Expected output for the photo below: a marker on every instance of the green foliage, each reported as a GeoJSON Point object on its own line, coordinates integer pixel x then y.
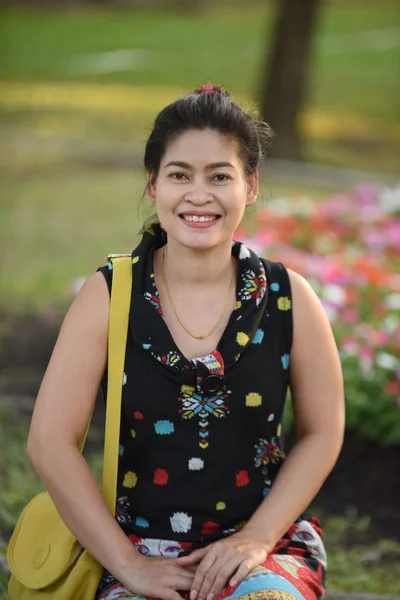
{"type": "Point", "coordinates": [3, 586]}
{"type": "Point", "coordinates": [354, 563]}
{"type": "Point", "coordinates": [18, 480]}
{"type": "Point", "coordinates": [370, 411]}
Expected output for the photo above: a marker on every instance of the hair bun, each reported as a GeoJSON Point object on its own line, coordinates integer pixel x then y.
{"type": "Point", "coordinates": [208, 88]}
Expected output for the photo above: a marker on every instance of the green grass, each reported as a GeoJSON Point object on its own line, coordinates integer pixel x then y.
{"type": "Point", "coordinates": [354, 117]}
{"type": "Point", "coordinates": [355, 81]}
{"type": "Point", "coordinates": [226, 47]}
{"type": "Point", "coordinates": [43, 47]}
{"type": "Point", "coordinates": [59, 227]}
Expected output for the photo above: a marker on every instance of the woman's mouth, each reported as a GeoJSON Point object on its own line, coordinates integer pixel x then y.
{"type": "Point", "coordinates": [199, 221]}
{"type": "Point", "coordinates": [200, 218]}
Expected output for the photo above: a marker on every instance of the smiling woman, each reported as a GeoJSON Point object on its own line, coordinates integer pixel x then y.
{"type": "Point", "coordinates": [219, 154]}
{"type": "Point", "coordinates": [208, 506]}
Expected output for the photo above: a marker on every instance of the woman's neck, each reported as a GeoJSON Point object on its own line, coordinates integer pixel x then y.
{"type": "Point", "coordinates": [190, 267]}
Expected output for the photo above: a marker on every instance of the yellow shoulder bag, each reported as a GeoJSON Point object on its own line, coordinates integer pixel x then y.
{"type": "Point", "coordinates": [45, 558]}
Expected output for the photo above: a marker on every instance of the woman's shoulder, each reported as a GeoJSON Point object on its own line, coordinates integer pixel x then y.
{"type": "Point", "coordinates": [302, 291]}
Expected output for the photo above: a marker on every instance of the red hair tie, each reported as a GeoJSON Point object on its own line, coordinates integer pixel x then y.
{"type": "Point", "coordinates": [208, 88]}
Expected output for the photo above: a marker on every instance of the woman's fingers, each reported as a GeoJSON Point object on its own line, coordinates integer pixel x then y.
{"type": "Point", "coordinates": [219, 575]}
{"type": "Point", "coordinates": [221, 567]}
{"type": "Point", "coordinates": [177, 581]}
{"type": "Point", "coordinates": [194, 558]}
{"type": "Point", "coordinates": [182, 583]}
{"type": "Point", "coordinates": [168, 594]}
{"type": "Point", "coordinates": [246, 566]}
{"type": "Point", "coordinates": [202, 574]}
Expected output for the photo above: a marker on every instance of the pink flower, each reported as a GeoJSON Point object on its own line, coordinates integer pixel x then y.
{"type": "Point", "coordinates": [366, 194]}
{"type": "Point", "coordinates": [350, 315]}
{"type": "Point", "coordinates": [350, 345]}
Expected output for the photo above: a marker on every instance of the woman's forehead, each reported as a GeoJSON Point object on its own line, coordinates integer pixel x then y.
{"type": "Point", "coordinates": [201, 147]}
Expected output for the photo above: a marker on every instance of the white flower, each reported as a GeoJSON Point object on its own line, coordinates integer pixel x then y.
{"type": "Point", "coordinates": [389, 200]}
{"type": "Point", "coordinates": [334, 293]}
{"type": "Point", "coordinates": [387, 361]}
{"type": "Point", "coordinates": [196, 464]}
{"type": "Point", "coordinates": [330, 310]}
{"type": "Point", "coordinates": [393, 301]}
{"type": "Point", "coordinates": [181, 522]}
{"type": "Point", "coordinates": [349, 348]}
{"type": "Point", "coordinates": [124, 379]}
{"type": "Point", "coordinates": [366, 363]}
{"type": "Point", "coordinates": [390, 324]}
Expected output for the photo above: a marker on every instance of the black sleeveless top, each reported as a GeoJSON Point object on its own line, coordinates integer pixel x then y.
{"type": "Point", "coordinates": [201, 440]}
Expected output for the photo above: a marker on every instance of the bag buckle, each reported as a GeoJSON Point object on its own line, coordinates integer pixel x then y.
{"type": "Point", "coordinates": [110, 256]}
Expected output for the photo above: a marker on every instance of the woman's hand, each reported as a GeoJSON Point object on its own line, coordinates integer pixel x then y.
{"type": "Point", "coordinates": [225, 561]}
{"type": "Point", "coordinates": [158, 577]}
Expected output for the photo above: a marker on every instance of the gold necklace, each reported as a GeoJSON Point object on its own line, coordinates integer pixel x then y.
{"type": "Point", "coordinates": [197, 337]}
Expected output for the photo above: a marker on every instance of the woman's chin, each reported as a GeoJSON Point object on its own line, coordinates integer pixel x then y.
{"type": "Point", "coordinates": [198, 237]}
{"type": "Point", "coordinates": [201, 240]}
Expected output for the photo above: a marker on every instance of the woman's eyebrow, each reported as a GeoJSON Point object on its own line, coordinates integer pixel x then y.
{"type": "Point", "coordinates": [184, 165]}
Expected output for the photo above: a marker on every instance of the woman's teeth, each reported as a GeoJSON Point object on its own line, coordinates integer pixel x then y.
{"type": "Point", "coordinates": [200, 219]}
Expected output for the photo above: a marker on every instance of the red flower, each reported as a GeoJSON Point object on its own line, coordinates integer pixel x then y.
{"type": "Point", "coordinates": [138, 415]}
{"type": "Point", "coordinates": [392, 387]}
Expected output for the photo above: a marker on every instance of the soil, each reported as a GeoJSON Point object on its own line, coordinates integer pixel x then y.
{"type": "Point", "coordinates": [365, 480]}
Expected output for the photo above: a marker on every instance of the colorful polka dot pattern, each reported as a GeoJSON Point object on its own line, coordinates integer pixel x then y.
{"type": "Point", "coordinates": [201, 439]}
{"type": "Point", "coordinates": [182, 423]}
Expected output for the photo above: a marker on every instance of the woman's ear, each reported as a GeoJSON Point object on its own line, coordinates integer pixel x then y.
{"type": "Point", "coordinates": [151, 187]}
{"type": "Point", "coordinates": [252, 188]}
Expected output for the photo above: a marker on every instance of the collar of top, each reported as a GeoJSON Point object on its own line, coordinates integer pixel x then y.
{"type": "Point", "coordinates": [149, 329]}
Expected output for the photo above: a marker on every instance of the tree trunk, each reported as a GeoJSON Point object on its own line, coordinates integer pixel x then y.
{"type": "Point", "coordinates": [287, 75]}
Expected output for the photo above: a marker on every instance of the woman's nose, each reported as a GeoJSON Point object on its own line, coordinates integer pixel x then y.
{"type": "Point", "coordinates": [198, 195]}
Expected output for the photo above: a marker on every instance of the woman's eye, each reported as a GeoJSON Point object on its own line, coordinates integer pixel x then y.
{"type": "Point", "coordinates": [178, 176]}
{"type": "Point", "coordinates": [221, 177]}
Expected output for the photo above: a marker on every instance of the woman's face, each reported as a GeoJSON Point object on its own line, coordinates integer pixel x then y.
{"type": "Point", "coordinates": [201, 190]}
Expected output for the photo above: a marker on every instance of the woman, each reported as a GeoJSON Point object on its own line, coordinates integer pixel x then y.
{"type": "Point", "coordinates": [207, 504]}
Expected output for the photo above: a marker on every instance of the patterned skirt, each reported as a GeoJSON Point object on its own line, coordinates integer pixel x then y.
{"type": "Point", "coordinates": [294, 570]}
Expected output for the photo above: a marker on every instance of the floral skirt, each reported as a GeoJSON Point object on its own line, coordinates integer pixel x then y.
{"type": "Point", "coordinates": [294, 570]}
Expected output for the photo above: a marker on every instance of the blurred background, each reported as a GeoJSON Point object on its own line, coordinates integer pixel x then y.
{"type": "Point", "coordinates": [81, 83]}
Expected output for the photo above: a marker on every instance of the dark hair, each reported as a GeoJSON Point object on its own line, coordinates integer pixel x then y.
{"type": "Point", "coordinates": [209, 107]}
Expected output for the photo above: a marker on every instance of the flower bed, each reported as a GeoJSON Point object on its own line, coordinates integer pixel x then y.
{"type": "Point", "coordinates": [348, 248]}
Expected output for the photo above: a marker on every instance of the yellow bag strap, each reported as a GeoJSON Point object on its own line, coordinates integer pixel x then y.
{"type": "Point", "coordinates": [117, 334]}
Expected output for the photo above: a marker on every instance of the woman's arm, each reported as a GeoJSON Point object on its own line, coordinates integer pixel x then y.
{"type": "Point", "coordinates": [316, 385]}
{"type": "Point", "coordinates": [62, 410]}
